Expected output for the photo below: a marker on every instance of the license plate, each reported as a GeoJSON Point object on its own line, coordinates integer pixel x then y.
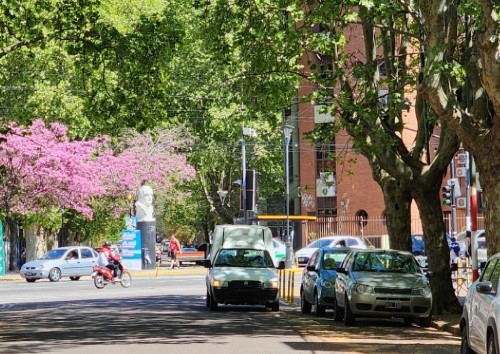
{"type": "Point", "coordinates": [29, 274]}
{"type": "Point", "coordinates": [301, 259]}
{"type": "Point", "coordinates": [395, 304]}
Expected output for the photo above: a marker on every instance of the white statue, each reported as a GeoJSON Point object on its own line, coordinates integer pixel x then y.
{"type": "Point", "coordinates": [144, 205]}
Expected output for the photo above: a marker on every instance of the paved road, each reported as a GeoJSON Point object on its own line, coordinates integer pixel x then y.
{"type": "Point", "coordinates": [168, 315]}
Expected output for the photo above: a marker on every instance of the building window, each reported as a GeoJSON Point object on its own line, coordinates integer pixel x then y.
{"type": "Point", "coordinates": [362, 215]}
{"type": "Point", "coordinates": [327, 206]}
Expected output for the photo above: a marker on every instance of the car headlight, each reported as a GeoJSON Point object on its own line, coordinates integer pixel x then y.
{"type": "Point", "coordinates": [363, 289]}
{"type": "Point", "coordinates": [327, 284]}
{"type": "Point", "coordinates": [41, 266]}
{"type": "Point", "coordinates": [273, 284]}
{"type": "Point", "coordinates": [220, 284]}
{"type": "Point", "coordinates": [422, 291]}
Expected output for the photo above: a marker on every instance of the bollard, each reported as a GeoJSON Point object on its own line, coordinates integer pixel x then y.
{"type": "Point", "coordinates": [459, 275]}
{"type": "Point", "coordinates": [292, 294]}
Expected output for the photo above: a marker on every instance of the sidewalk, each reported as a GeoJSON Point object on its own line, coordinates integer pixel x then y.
{"type": "Point", "coordinates": [447, 322]}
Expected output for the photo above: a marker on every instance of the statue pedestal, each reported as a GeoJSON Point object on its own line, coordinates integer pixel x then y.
{"type": "Point", "coordinates": [148, 241]}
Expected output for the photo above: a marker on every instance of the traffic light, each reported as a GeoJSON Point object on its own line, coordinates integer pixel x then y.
{"type": "Point", "coordinates": [447, 193]}
{"type": "Point", "coordinates": [251, 186]}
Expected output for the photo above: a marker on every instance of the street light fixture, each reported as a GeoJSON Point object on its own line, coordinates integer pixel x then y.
{"type": "Point", "coordinates": [222, 195]}
{"type": "Point", "coordinates": [287, 133]}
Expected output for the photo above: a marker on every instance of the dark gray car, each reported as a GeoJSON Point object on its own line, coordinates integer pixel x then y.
{"type": "Point", "coordinates": [382, 283]}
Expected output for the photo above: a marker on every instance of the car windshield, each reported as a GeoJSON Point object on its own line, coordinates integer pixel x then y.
{"type": "Point", "coordinates": [54, 254]}
{"type": "Point", "coordinates": [319, 243]}
{"type": "Point", "coordinates": [244, 258]}
{"type": "Point", "coordinates": [385, 262]}
{"type": "Point", "coordinates": [332, 260]}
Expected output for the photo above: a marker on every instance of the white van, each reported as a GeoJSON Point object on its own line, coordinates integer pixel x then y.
{"type": "Point", "coordinates": [241, 270]}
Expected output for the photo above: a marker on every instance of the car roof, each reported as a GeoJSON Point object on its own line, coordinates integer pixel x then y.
{"type": "Point", "coordinates": [380, 250]}
{"type": "Point", "coordinates": [69, 247]}
{"type": "Point", "coordinates": [335, 249]}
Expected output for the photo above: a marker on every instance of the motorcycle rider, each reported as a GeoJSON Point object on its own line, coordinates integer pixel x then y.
{"type": "Point", "coordinates": [111, 260]}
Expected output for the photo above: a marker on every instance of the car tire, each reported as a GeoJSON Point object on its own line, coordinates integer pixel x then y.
{"type": "Point", "coordinates": [32, 280]}
{"type": "Point", "coordinates": [55, 274]}
{"type": "Point", "coordinates": [425, 322]}
{"type": "Point", "coordinates": [74, 278]}
{"type": "Point", "coordinates": [319, 310]}
{"type": "Point", "coordinates": [491, 345]}
{"type": "Point", "coordinates": [338, 312]}
{"type": "Point", "coordinates": [408, 321]}
{"type": "Point", "coordinates": [275, 306]}
{"type": "Point", "coordinates": [214, 306]}
{"type": "Point", "coordinates": [464, 342]}
{"type": "Point", "coordinates": [305, 306]}
{"type": "Point", "coordinates": [207, 300]}
{"type": "Point", "coordinates": [349, 319]}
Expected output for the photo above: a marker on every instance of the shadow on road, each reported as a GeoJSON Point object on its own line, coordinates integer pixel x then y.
{"type": "Point", "coordinates": [181, 320]}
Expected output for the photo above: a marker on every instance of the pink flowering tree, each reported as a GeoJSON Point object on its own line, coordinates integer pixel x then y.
{"type": "Point", "coordinates": [42, 170]}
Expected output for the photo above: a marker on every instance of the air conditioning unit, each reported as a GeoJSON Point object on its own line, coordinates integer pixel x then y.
{"type": "Point", "coordinates": [461, 203]}
{"type": "Point", "coordinates": [460, 171]}
{"type": "Point", "coordinates": [326, 185]}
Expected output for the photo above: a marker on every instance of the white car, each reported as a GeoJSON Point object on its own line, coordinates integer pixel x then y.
{"type": "Point", "coordinates": [480, 320]}
{"type": "Point", "coordinates": [305, 253]}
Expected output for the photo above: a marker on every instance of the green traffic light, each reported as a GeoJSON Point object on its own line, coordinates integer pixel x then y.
{"type": "Point", "coordinates": [447, 202]}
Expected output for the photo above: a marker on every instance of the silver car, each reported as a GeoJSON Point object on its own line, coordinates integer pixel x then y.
{"type": "Point", "coordinates": [480, 321]}
{"type": "Point", "coordinates": [382, 283]}
{"type": "Point", "coordinates": [73, 262]}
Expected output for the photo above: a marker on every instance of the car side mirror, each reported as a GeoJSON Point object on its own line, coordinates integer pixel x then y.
{"type": "Point", "coordinates": [281, 265]}
{"type": "Point", "coordinates": [341, 270]}
{"type": "Point", "coordinates": [484, 287]}
{"type": "Point", "coordinates": [207, 263]}
{"type": "Point", "coordinates": [311, 268]}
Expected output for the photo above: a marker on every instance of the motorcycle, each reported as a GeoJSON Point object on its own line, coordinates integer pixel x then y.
{"type": "Point", "coordinates": [103, 276]}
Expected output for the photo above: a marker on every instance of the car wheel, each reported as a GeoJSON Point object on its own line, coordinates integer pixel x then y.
{"type": "Point", "coordinates": [275, 306]}
{"type": "Point", "coordinates": [74, 278]}
{"type": "Point", "coordinates": [338, 312]}
{"type": "Point", "coordinates": [305, 306]}
{"type": "Point", "coordinates": [349, 318]}
{"type": "Point", "coordinates": [491, 346]}
{"type": "Point", "coordinates": [408, 321]}
{"type": "Point", "coordinates": [319, 310]}
{"type": "Point", "coordinates": [214, 306]}
{"type": "Point", "coordinates": [426, 321]}
{"type": "Point", "coordinates": [31, 280]}
{"type": "Point", "coordinates": [464, 343]}
{"type": "Point", "coordinates": [55, 274]}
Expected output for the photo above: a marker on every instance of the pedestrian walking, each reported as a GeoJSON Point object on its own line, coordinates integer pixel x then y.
{"type": "Point", "coordinates": [175, 247]}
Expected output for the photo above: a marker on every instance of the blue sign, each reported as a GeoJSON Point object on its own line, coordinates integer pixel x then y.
{"type": "Point", "coordinates": [131, 249]}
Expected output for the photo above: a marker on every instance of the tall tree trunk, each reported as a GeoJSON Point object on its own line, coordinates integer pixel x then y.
{"type": "Point", "coordinates": [437, 250]}
{"type": "Point", "coordinates": [489, 179]}
{"type": "Point", "coordinates": [397, 201]}
{"type": "Point", "coordinates": [36, 242]}
{"type": "Point", "coordinates": [12, 227]}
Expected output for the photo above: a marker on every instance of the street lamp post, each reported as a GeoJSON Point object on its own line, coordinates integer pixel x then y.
{"type": "Point", "coordinates": [250, 132]}
{"type": "Point", "coordinates": [287, 132]}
